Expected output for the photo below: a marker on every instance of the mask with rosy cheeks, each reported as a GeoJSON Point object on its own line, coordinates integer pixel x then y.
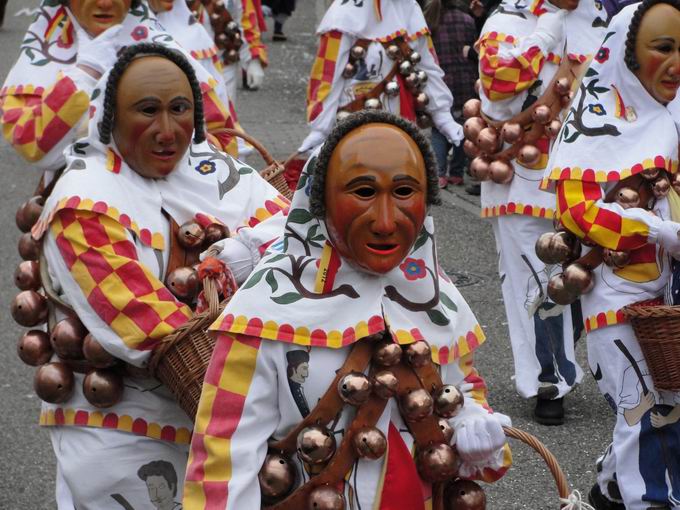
{"type": "Point", "coordinates": [657, 51]}
{"type": "Point", "coordinates": [375, 193]}
{"type": "Point", "coordinates": [161, 5]}
{"type": "Point", "coordinates": [154, 117]}
{"type": "Point", "coordinates": [95, 16]}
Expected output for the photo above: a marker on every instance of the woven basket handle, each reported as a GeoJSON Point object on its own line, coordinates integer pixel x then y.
{"type": "Point", "coordinates": [268, 159]}
{"type": "Point", "coordinates": [548, 457]}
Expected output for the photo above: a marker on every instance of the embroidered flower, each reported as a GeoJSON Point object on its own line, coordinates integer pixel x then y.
{"type": "Point", "coordinates": [602, 55]}
{"type": "Point", "coordinates": [597, 109]}
{"type": "Point", "coordinates": [413, 269]}
{"type": "Point", "coordinates": [140, 32]}
{"type": "Point", "coordinates": [206, 167]}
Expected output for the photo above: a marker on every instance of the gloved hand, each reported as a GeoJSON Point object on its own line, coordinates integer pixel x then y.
{"type": "Point", "coordinates": [453, 131]}
{"type": "Point", "coordinates": [549, 30]}
{"type": "Point", "coordinates": [100, 53]}
{"type": "Point", "coordinates": [668, 237]}
{"type": "Point", "coordinates": [477, 436]}
{"type": "Point", "coordinates": [254, 74]}
{"type": "Point", "coordinates": [233, 253]}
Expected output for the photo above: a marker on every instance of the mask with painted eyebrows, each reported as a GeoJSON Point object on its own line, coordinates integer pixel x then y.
{"type": "Point", "coordinates": [376, 190]}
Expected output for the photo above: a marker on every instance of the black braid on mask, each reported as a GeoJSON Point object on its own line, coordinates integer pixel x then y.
{"type": "Point", "coordinates": [134, 5]}
{"type": "Point", "coordinates": [317, 205]}
{"type": "Point", "coordinates": [124, 60]}
{"type": "Point", "coordinates": [629, 57]}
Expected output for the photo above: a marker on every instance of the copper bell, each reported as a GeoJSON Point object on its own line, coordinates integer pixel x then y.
{"type": "Point", "coordinates": [479, 168]}
{"type": "Point", "coordinates": [511, 132]}
{"type": "Point", "coordinates": [422, 100]}
{"type": "Point", "coordinates": [411, 81]}
{"type": "Point", "coordinates": [349, 70]}
{"type": "Point", "coordinates": [488, 139]}
{"type": "Point", "coordinates": [555, 248]}
{"type": "Point", "coordinates": [67, 338]}
{"type": "Point", "coordinates": [29, 308]}
{"type": "Point", "coordinates": [559, 293]}
{"type": "Point", "coordinates": [472, 108]}
{"type": "Point", "coordinates": [183, 283]}
{"type": "Point", "coordinates": [29, 213]}
{"type": "Point", "coordinates": [387, 353]}
{"type": "Point", "coordinates": [446, 429]}
{"type": "Point", "coordinates": [448, 401]}
{"type": "Point", "coordinates": [232, 26]}
{"type": "Point", "coordinates": [354, 388]}
{"type": "Point", "coordinates": [325, 498]}
{"type": "Point", "coordinates": [422, 77]}
{"type": "Point", "coordinates": [627, 198]}
{"type": "Point", "coordinates": [232, 56]}
{"type": "Point", "coordinates": [372, 103]}
{"type": "Point", "coordinates": [541, 114]}
{"type": "Point", "coordinates": [393, 51]}
{"type": "Point", "coordinates": [471, 150]}
{"type": "Point", "coordinates": [553, 128]}
{"type": "Point", "coordinates": [415, 57]}
{"type": "Point", "coordinates": [369, 443]}
{"type": "Point", "coordinates": [34, 348]}
{"type": "Point", "coordinates": [191, 235]}
{"type": "Point", "coordinates": [562, 86]}
{"type": "Point", "coordinates": [53, 382]}
{"type": "Point", "coordinates": [316, 445]}
{"type": "Point", "coordinates": [578, 278]}
{"type": "Point", "coordinates": [615, 258]}
{"type": "Point", "coordinates": [392, 88]}
{"type": "Point", "coordinates": [436, 463]}
{"type": "Point", "coordinates": [385, 384]}
{"type": "Point", "coordinates": [501, 171]}
{"type": "Point", "coordinates": [416, 405]}
{"type": "Point", "coordinates": [103, 388]}
{"type": "Point", "coordinates": [29, 248]}
{"type": "Point", "coordinates": [96, 354]}
{"type": "Point", "coordinates": [464, 495]}
{"type": "Point", "coordinates": [27, 275]}
{"type": "Point", "coordinates": [529, 155]}
{"type": "Point", "coordinates": [418, 354]}
{"type": "Point", "coordinates": [661, 187]}
{"type": "Point", "coordinates": [472, 127]}
{"type": "Point", "coordinates": [650, 173]}
{"type": "Point", "coordinates": [358, 52]}
{"type": "Point", "coordinates": [215, 232]}
{"type": "Point", "coordinates": [277, 478]}
{"type": "Point", "coordinates": [405, 68]}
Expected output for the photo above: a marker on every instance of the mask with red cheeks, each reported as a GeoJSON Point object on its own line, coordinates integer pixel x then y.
{"type": "Point", "coordinates": [154, 117]}
{"type": "Point", "coordinates": [657, 51]}
{"type": "Point", "coordinates": [95, 16]}
{"type": "Point", "coordinates": [375, 194]}
{"type": "Point", "coordinates": [161, 5]}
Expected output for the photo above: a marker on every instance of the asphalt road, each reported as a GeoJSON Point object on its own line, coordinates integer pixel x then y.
{"type": "Point", "coordinates": [275, 115]}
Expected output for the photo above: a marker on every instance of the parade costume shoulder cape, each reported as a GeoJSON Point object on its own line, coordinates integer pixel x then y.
{"type": "Point", "coordinates": [45, 96]}
{"type": "Point", "coordinates": [303, 292]}
{"type": "Point", "coordinates": [108, 249]}
{"type": "Point", "coordinates": [181, 23]}
{"type": "Point", "coordinates": [614, 130]}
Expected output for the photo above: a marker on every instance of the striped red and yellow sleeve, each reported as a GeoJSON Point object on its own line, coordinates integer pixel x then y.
{"type": "Point", "coordinates": [251, 31]}
{"type": "Point", "coordinates": [35, 119]}
{"type": "Point", "coordinates": [581, 214]}
{"type": "Point", "coordinates": [122, 291]}
{"type": "Point", "coordinates": [503, 77]}
{"type": "Point", "coordinates": [218, 115]}
{"type": "Point", "coordinates": [323, 72]}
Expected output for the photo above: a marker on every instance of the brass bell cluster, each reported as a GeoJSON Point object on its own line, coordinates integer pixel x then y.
{"type": "Point", "coordinates": [183, 281]}
{"type": "Point", "coordinates": [493, 145]}
{"type": "Point", "coordinates": [227, 32]}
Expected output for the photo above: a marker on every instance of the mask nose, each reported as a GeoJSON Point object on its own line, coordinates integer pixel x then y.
{"type": "Point", "coordinates": [384, 223]}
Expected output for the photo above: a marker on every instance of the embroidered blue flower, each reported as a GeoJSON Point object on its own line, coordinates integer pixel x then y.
{"type": "Point", "coordinates": [206, 167]}
{"type": "Point", "coordinates": [597, 109]}
{"type": "Point", "coordinates": [413, 269]}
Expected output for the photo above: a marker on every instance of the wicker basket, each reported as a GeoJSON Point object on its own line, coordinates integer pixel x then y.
{"type": "Point", "coordinates": [657, 328]}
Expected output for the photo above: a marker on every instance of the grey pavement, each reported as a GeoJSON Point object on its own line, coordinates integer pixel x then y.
{"type": "Point", "coordinates": [275, 115]}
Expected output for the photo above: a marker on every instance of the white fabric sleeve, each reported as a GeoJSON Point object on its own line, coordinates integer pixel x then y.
{"type": "Point", "coordinates": [440, 96]}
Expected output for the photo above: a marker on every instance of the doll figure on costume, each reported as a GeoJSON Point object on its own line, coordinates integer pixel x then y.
{"type": "Point", "coordinates": [70, 44]}
{"type": "Point", "coordinates": [314, 381]}
{"type": "Point", "coordinates": [376, 55]}
{"type": "Point", "coordinates": [522, 47]}
{"type": "Point", "coordinates": [612, 167]}
{"type": "Point", "coordinates": [107, 227]}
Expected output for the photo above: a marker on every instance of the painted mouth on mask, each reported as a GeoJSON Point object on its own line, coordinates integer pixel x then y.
{"type": "Point", "coordinates": [105, 18]}
{"type": "Point", "coordinates": [164, 153]}
{"type": "Point", "coordinates": [382, 248]}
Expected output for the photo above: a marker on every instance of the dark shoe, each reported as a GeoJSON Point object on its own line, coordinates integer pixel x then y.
{"type": "Point", "coordinates": [549, 412]}
{"type": "Point", "coordinates": [474, 189]}
{"type": "Point", "coordinates": [279, 37]}
{"type": "Point", "coordinates": [600, 502]}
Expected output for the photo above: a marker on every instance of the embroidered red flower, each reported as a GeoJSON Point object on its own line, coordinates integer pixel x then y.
{"type": "Point", "coordinates": [140, 32]}
{"type": "Point", "coordinates": [413, 269]}
{"type": "Point", "coordinates": [602, 55]}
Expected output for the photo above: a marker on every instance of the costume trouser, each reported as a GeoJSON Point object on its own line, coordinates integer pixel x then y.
{"type": "Point", "coordinates": [231, 73]}
{"type": "Point", "coordinates": [642, 465]}
{"type": "Point", "coordinates": [441, 147]}
{"type": "Point", "coordinates": [542, 333]}
{"type": "Point", "coordinates": [102, 469]}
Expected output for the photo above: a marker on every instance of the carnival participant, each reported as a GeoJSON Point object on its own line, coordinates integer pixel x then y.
{"type": "Point", "coordinates": [241, 45]}
{"type": "Point", "coordinates": [45, 98]}
{"type": "Point", "coordinates": [521, 49]}
{"type": "Point", "coordinates": [358, 240]}
{"type": "Point", "coordinates": [144, 166]}
{"type": "Point", "coordinates": [374, 55]}
{"type": "Point", "coordinates": [610, 168]}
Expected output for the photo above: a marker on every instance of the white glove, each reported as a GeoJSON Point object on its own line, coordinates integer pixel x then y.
{"type": "Point", "coordinates": [101, 52]}
{"type": "Point", "coordinates": [254, 74]}
{"type": "Point", "coordinates": [234, 254]}
{"type": "Point", "coordinates": [549, 30]}
{"type": "Point", "coordinates": [453, 131]}
{"type": "Point", "coordinates": [478, 436]}
{"type": "Point", "coordinates": [668, 237]}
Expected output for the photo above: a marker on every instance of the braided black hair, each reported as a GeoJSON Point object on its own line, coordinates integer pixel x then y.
{"type": "Point", "coordinates": [629, 57]}
{"type": "Point", "coordinates": [317, 205]}
{"type": "Point", "coordinates": [134, 5]}
{"type": "Point", "coordinates": [149, 49]}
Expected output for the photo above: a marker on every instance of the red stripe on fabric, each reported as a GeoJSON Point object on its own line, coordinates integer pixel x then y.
{"type": "Point", "coordinates": [334, 264]}
{"type": "Point", "coordinates": [135, 279]}
{"type": "Point", "coordinates": [196, 469]}
{"type": "Point", "coordinates": [216, 495]}
{"type": "Point", "coordinates": [143, 315]}
{"type": "Point", "coordinates": [407, 108]}
{"type": "Point", "coordinates": [219, 357]}
{"type": "Point", "coordinates": [66, 250]}
{"type": "Point", "coordinates": [226, 412]}
{"type": "Point", "coordinates": [102, 306]}
{"type": "Point", "coordinates": [401, 487]}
